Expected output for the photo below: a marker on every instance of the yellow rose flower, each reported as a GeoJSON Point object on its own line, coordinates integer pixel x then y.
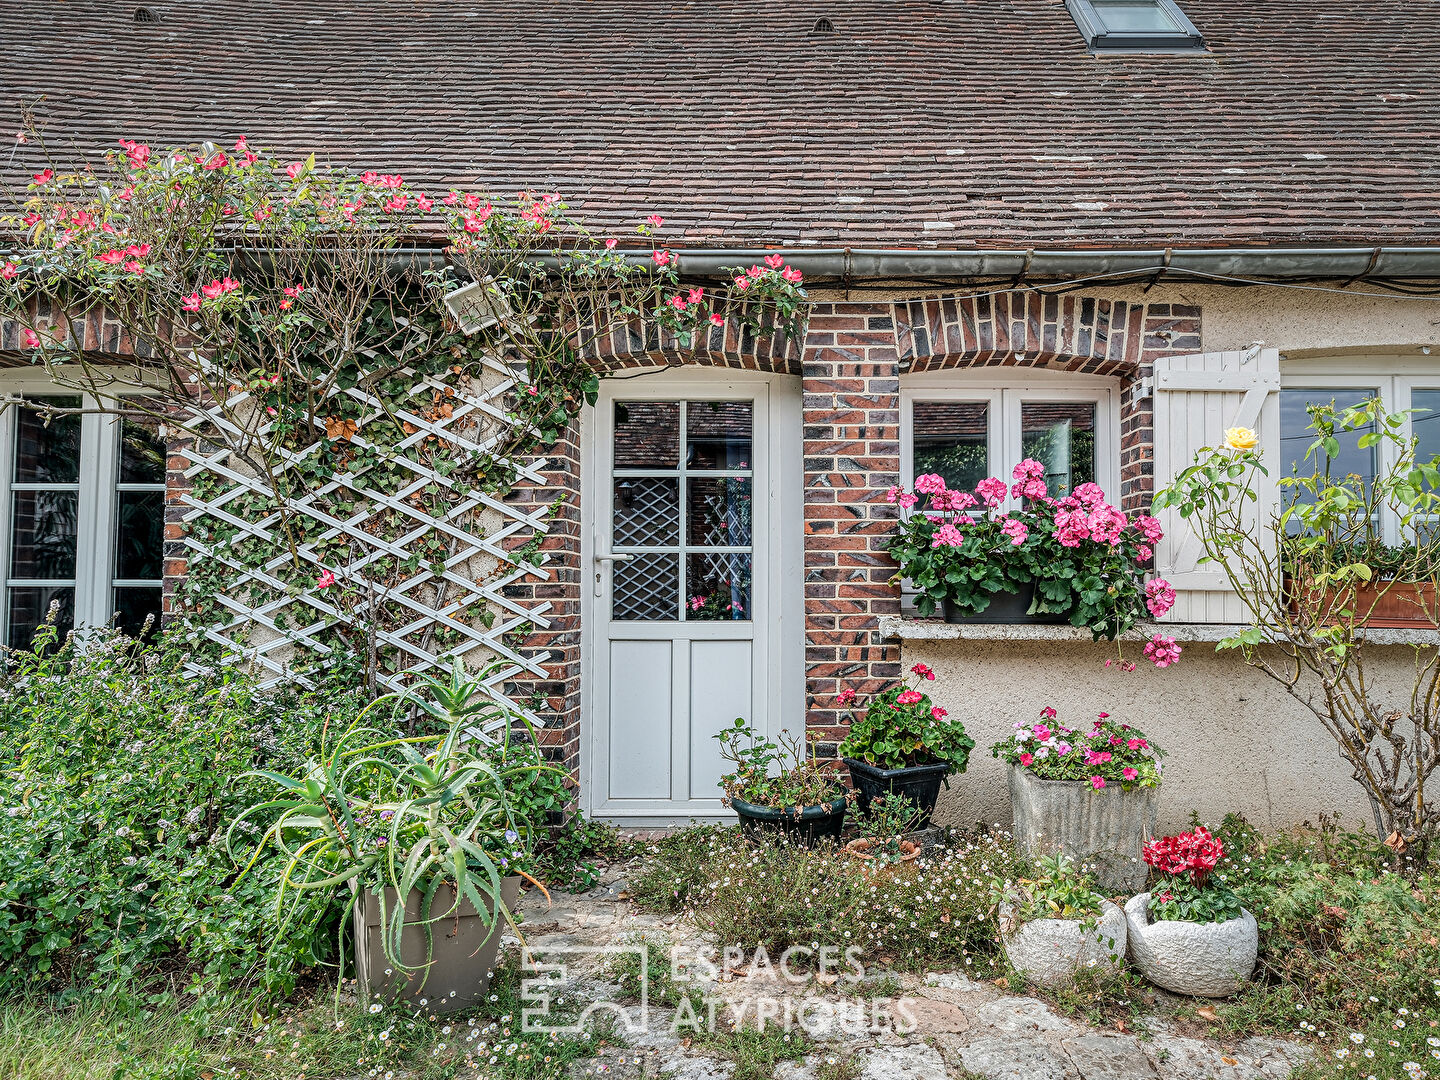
{"type": "Point", "coordinates": [1241, 438]}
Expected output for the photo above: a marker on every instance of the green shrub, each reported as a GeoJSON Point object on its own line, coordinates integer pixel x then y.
{"type": "Point", "coordinates": [116, 776]}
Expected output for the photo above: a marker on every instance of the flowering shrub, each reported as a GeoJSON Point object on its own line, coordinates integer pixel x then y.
{"type": "Point", "coordinates": [1083, 556]}
{"type": "Point", "coordinates": [902, 727]}
{"type": "Point", "coordinates": [804, 783]}
{"type": "Point", "coordinates": [1109, 753]}
{"type": "Point", "coordinates": [1187, 893]}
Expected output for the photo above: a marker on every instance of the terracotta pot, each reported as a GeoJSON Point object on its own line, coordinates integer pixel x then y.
{"type": "Point", "coordinates": [1381, 604]}
{"type": "Point", "coordinates": [861, 848]}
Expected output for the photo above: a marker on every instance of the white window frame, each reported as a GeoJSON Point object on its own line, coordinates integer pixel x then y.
{"type": "Point", "coordinates": [99, 483]}
{"type": "Point", "coordinates": [1394, 378]}
{"type": "Point", "coordinates": [1005, 395]}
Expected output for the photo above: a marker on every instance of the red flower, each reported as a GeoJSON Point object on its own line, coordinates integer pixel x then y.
{"type": "Point", "coordinates": [924, 672]}
{"type": "Point", "coordinates": [44, 176]}
{"type": "Point", "coordinates": [1195, 853]}
{"type": "Point", "coordinates": [845, 697]}
{"type": "Point", "coordinates": [909, 697]}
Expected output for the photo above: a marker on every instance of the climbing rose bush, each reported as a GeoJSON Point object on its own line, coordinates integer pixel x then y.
{"type": "Point", "coordinates": [1084, 557]}
{"type": "Point", "coordinates": [1109, 753]}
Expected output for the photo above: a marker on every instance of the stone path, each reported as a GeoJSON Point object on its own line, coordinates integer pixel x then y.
{"type": "Point", "coordinates": [942, 1025]}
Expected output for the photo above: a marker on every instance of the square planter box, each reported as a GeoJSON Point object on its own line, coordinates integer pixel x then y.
{"type": "Point", "coordinates": [1106, 828]}
{"type": "Point", "coordinates": [462, 954]}
{"type": "Point", "coordinates": [1405, 605]}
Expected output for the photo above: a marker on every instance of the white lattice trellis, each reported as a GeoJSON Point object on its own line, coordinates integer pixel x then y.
{"type": "Point", "coordinates": [476, 526]}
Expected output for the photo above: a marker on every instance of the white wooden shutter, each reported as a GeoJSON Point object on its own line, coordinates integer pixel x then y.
{"type": "Point", "coordinates": [1196, 398]}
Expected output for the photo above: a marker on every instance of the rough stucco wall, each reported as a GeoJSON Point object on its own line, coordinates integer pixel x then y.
{"type": "Point", "coordinates": [1236, 741]}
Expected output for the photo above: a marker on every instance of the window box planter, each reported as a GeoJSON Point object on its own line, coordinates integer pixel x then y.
{"type": "Point", "coordinates": [806, 825]}
{"type": "Point", "coordinates": [1007, 608]}
{"type": "Point", "coordinates": [1052, 951]}
{"type": "Point", "coordinates": [1382, 604]}
{"type": "Point", "coordinates": [463, 950]}
{"type": "Point", "coordinates": [1199, 959]}
{"type": "Point", "coordinates": [1106, 829]}
{"type": "Point", "coordinates": [920, 784]}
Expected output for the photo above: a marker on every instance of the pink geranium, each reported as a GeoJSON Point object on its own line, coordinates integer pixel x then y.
{"type": "Point", "coordinates": [1162, 651]}
{"type": "Point", "coordinates": [929, 484]}
{"type": "Point", "coordinates": [1017, 531]}
{"type": "Point", "coordinates": [991, 491]}
{"type": "Point", "coordinates": [947, 536]}
{"type": "Point", "coordinates": [1159, 596]}
{"type": "Point", "coordinates": [909, 697]}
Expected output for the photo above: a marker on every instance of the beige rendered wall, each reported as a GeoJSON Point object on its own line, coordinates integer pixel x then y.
{"type": "Point", "coordinates": [1236, 741]}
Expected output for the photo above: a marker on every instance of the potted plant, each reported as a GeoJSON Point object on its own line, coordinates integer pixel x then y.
{"type": "Point", "coordinates": [804, 801]}
{"type": "Point", "coordinates": [1365, 581]}
{"type": "Point", "coordinates": [903, 744]}
{"type": "Point", "coordinates": [1055, 925]}
{"type": "Point", "coordinates": [1091, 794]}
{"type": "Point", "coordinates": [420, 831]}
{"type": "Point", "coordinates": [882, 843]}
{"type": "Point", "coordinates": [1075, 560]}
{"type": "Point", "coordinates": [1189, 934]}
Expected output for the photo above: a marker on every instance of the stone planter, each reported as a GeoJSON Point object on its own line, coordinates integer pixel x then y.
{"type": "Point", "coordinates": [1199, 959]}
{"type": "Point", "coordinates": [1105, 829]}
{"type": "Point", "coordinates": [1052, 951]}
{"type": "Point", "coordinates": [463, 950]}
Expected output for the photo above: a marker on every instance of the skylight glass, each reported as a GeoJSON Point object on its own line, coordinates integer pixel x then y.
{"type": "Point", "coordinates": [1135, 26]}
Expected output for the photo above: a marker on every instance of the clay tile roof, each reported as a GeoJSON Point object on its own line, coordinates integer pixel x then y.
{"type": "Point", "coordinates": [916, 123]}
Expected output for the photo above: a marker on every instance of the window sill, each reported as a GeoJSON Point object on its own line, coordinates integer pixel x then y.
{"type": "Point", "coordinates": [906, 628]}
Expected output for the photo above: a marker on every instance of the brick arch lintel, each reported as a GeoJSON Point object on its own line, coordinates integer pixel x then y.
{"type": "Point", "coordinates": [1069, 332]}
{"type": "Point", "coordinates": [646, 343]}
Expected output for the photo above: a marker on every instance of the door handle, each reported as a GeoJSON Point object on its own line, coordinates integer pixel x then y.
{"type": "Point", "coordinates": [607, 557]}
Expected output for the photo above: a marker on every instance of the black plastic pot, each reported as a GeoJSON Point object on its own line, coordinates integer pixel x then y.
{"type": "Point", "coordinates": [1007, 608]}
{"type": "Point", "coordinates": [920, 784]}
{"type": "Point", "coordinates": [805, 825]}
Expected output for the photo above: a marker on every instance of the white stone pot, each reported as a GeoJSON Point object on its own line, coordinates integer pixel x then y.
{"type": "Point", "coordinates": [1199, 959]}
{"type": "Point", "coordinates": [1106, 829]}
{"type": "Point", "coordinates": [1052, 951]}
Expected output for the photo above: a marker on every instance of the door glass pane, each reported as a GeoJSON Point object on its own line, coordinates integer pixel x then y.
{"type": "Point", "coordinates": [133, 604]}
{"type": "Point", "coordinates": [717, 587]}
{"type": "Point", "coordinates": [718, 434]}
{"type": "Point", "coordinates": [1296, 436]}
{"type": "Point", "coordinates": [719, 512]}
{"type": "Point", "coordinates": [142, 454]}
{"type": "Point", "coordinates": [647, 511]}
{"type": "Point", "coordinates": [647, 589]}
{"type": "Point", "coordinates": [1061, 436]}
{"type": "Point", "coordinates": [647, 435]}
{"type": "Point", "coordinates": [952, 438]}
{"type": "Point", "coordinates": [29, 606]}
{"type": "Point", "coordinates": [47, 453]}
{"type": "Point", "coordinates": [1122, 16]}
{"type": "Point", "coordinates": [43, 534]}
{"type": "Point", "coordinates": [139, 535]}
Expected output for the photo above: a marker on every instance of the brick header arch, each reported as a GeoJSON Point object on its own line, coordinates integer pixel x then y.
{"type": "Point", "coordinates": [1085, 334]}
{"type": "Point", "coordinates": [644, 343]}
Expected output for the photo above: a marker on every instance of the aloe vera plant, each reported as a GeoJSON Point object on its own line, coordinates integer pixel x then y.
{"type": "Point", "coordinates": [379, 809]}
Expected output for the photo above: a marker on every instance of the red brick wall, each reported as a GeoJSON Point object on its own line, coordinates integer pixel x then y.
{"type": "Point", "coordinates": [851, 448]}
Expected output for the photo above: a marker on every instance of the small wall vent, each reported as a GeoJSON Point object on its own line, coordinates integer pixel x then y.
{"type": "Point", "coordinates": [146, 15]}
{"type": "Point", "coordinates": [822, 26]}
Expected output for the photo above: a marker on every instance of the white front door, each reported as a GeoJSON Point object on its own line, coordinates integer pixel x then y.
{"type": "Point", "coordinates": [693, 583]}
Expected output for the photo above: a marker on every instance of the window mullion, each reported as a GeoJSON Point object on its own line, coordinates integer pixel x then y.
{"type": "Point", "coordinates": [95, 541]}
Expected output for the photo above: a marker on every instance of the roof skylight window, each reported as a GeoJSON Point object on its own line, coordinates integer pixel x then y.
{"type": "Point", "coordinates": [1135, 26]}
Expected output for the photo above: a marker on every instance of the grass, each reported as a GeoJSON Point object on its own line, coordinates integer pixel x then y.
{"type": "Point", "coordinates": [108, 1039]}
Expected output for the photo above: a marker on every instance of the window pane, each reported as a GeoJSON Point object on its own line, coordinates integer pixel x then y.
{"type": "Point", "coordinates": [951, 438]}
{"type": "Point", "coordinates": [647, 589]}
{"type": "Point", "coordinates": [719, 511]}
{"type": "Point", "coordinates": [1124, 16]}
{"type": "Point", "coordinates": [142, 454]}
{"type": "Point", "coordinates": [140, 535]}
{"type": "Point", "coordinates": [29, 606]}
{"type": "Point", "coordinates": [133, 605]}
{"type": "Point", "coordinates": [1426, 423]}
{"type": "Point", "coordinates": [717, 434]}
{"type": "Point", "coordinates": [647, 511]}
{"type": "Point", "coordinates": [1061, 436]}
{"type": "Point", "coordinates": [1296, 436]}
{"type": "Point", "coordinates": [647, 435]}
{"type": "Point", "coordinates": [718, 587]}
{"type": "Point", "coordinates": [48, 453]}
{"type": "Point", "coordinates": [43, 535]}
